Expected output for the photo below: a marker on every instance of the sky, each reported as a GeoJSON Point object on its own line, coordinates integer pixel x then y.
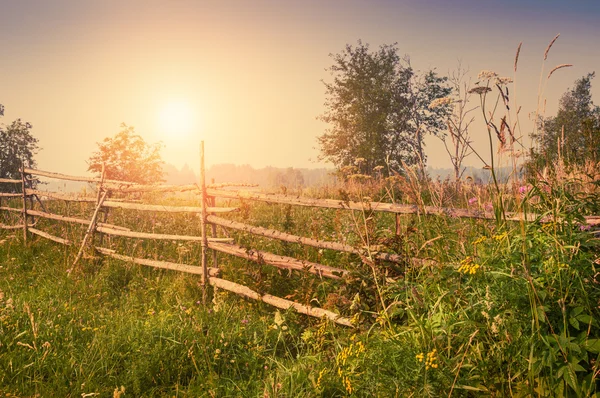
{"type": "Point", "coordinates": [249, 74]}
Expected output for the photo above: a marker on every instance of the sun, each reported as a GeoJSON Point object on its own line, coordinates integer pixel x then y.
{"type": "Point", "coordinates": [177, 119]}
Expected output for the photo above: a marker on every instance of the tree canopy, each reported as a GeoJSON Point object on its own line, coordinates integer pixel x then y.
{"type": "Point", "coordinates": [377, 109]}
{"type": "Point", "coordinates": [17, 146]}
{"type": "Point", "coordinates": [127, 157]}
{"type": "Point", "coordinates": [573, 135]}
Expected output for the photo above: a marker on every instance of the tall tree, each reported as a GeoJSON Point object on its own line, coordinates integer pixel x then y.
{"type": "Point", "coordinates": [573, 135]}
{"type": "Point", "coordinates": [127, 157]}
{"type": "Point", "coordinates": [377, 109]}
{"type": "Point", "coordinates": [17, 146]}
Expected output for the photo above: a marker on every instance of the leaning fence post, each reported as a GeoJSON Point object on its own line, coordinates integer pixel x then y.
{"type": "Point", "coordinates": [204, 242]}
{"type": "Point", "coordinates": [92, 227]}
{"type": "Point", "coordinates": [24, 202]}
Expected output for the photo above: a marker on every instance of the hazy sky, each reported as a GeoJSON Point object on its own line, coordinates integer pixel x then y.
{"type": "Point", "coordinates": [251, 71]}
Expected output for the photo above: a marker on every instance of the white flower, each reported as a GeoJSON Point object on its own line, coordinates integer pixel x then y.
{"type": "Point", "coordinates": [504, 80]}
{"type": "Point", "coordinates": [486, 75]}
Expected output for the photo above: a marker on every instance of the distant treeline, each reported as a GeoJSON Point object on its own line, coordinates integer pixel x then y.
{"type": "Point", "coordinates": [291, 177]}
{"type": "Point", "coordinates": [264, 177]}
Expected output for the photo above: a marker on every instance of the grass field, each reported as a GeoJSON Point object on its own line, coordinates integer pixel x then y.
{"type": "Point", "coordinates": [500, 309]}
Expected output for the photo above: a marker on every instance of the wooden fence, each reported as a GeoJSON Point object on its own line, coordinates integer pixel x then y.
{"type": "Point", "coordinates": [208, 217]}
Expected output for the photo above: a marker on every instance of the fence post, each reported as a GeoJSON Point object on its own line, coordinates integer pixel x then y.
{"type": "Point", "coordinates": [92, 227]}
{"type": "Point", "coordinates": [213, 203]}
{"type": "Point", "coordinates": [204, 242]}
{"type": "Point", "coordinates": [24, 202]}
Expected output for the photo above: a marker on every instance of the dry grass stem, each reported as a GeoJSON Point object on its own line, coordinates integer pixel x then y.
{"type": "Point", "coordinates": [557, 68]}
{"type": "Point", "coordinates": [517, 55]}
{"type": "Point", "coordinates": [550, 46]}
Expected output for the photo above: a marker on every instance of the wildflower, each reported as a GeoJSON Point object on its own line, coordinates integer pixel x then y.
{"type": "Point", "coordinates": [487, 75]}
{"type": "Point", "coordinates": [320, 378]}
{"type": "Point", "coordinates": [523, 189]}
{"type": "Point", "coordinates": [502, 81]}
{"type": "Point", "coordinates": [468, 267]}
{"type": "Point", "coordinates": [472, 200]}
{"type": "Point", "coordinates": [359, 161]}
{"type": "Point", "coordinates": [488, 207]}
{"type": "Point", "coordinates": [378, 168]}
{"type": "Point", "coordinates": [439, 102]}
{"type": "Point", "coordinates": [420, 357]}
{"type": "Point", "coordinates": [348, 385]}
{"type": "Point", "coordinates": [431, 360]}
{"type": "Point", "coordinates": [480, 90]}
{"type": "Point", "coordinates": [244, 321]}
{"type": "Point", "coordinates": [500, 237]}
{"type": "Point", "coordinates": [479, 240]}
{"type": "Point", "coordinates": [585, 227]}
{"type": "Point", "coordinates": [359, 177]}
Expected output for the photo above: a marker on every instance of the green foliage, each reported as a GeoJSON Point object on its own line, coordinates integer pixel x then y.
{"type": "Point", "coordinates": [127, 157]}
{"type": "Point", "coordinates": [378, 109]}
{"type": "Point", "coordinates": [17, 146]}
{"type": "Point", "coordinates": [573, 135]}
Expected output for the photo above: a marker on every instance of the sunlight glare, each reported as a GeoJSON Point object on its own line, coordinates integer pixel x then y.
{"type": "Point", "coordinates": [176, 119]}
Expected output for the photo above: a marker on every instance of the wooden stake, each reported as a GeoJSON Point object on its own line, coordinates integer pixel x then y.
{"type": "Point", "coordinates": [214, 231]}
{"type": "Point", "coordinates": [204, 242]}
{"type": "Point", "coordinates": [24, 202]}
{"type": "Point", "coordinates": [90, 229]}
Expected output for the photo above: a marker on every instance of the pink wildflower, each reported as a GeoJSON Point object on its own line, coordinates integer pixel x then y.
{"type": "Point", "coordinates": [472, 200]}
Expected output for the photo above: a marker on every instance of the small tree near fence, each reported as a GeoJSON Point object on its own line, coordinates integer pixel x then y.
{"type": "Point", "coordinates": [127, 157]}
{"type": "Point", "coordinates": [17, 148]}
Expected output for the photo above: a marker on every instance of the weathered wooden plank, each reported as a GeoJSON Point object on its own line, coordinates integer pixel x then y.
{"type": "Point", "coordinates": [190, 269]}
{"type": "Point", "coordinates": [10, 181]}
{"type": "Point", "coordinates": [59, 196]}
{"type": "Point", "coordinates": [4, 226]}
{"type": "Point", "coordinates": [145, 235]}
{"type": "Point", "coordinates": [58, 217]}
{"type": "Point", "coordinates": [278, 302]}
{"type": "Point", "coordinates": [167, 209]}
{"type": "Point", "coordinates": [60, 176]}
{"type": "Point", "coordinates": [13, 209]}
{"type": "Point", "coordinates": [271, 233]}
{"type": "Point", "coordinates": [50, 237]}
{"type": "Point", "coordinates": [348, 205]}
{"type": "Point", "coordinates": [279, 261]}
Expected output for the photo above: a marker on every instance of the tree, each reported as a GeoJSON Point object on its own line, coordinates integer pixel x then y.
{"type": "Point", "coordinates": [17, 147]}
{"type": "Point", "coordinates": [127, 157]}
{"type": "Point", "coordinates": [458, 122]}
{"type": "Point", "coordinates": [377, 109]}
{"type": "Point", "coordinates": [573, 135]}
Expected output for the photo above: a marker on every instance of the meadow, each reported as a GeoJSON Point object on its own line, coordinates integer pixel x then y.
{"type": "Point", "coordinates": [496, 307]}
